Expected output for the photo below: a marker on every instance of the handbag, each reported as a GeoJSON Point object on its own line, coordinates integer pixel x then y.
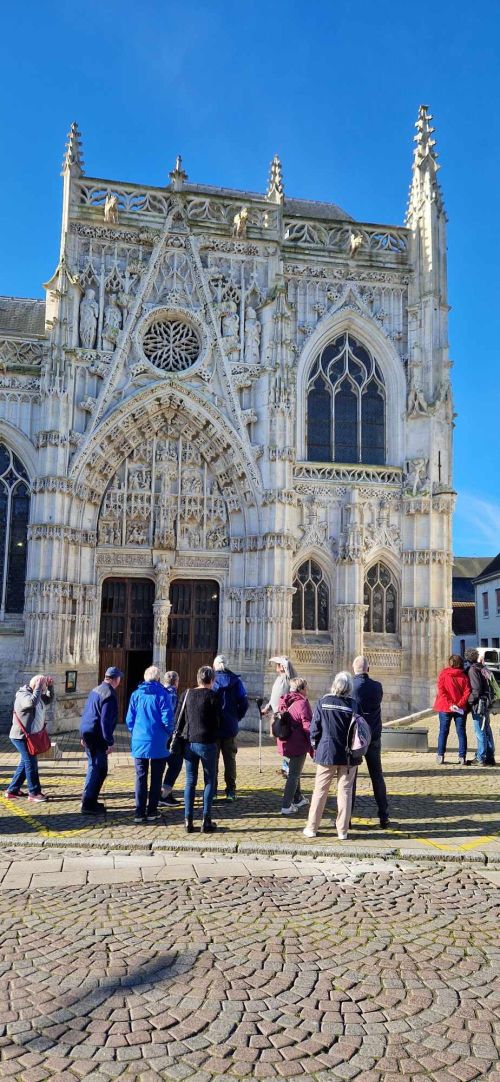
{"type": "Point", "coordinates": [36, 743]}
{"type": "Point", "coordinates": [281, 725]}
{"type": "Point", "coordinates": [177, 741]}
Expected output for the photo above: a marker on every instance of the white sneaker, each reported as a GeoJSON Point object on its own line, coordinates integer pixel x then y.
{"type": "Point", "coordinates": [342, 837]}
{"type": "Point", "coordinates": [289, 811]}
{"type": "Point", "coordinates": [302, 803]}
{"type": "Point", "coordinates": [308, 833]}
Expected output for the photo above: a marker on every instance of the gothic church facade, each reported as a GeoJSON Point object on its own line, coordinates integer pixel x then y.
{"type": "Point", "coordinates": [228, 428]}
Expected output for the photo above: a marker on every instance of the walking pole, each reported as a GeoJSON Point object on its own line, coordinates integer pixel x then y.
{"type": "Point", "coordinates": [259, 708]}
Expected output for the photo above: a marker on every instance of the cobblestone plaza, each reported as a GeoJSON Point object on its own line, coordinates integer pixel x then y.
{"type": "Point", "coordinates": [131, 952]}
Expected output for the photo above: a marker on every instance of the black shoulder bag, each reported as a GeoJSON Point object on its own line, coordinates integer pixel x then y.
{"type": "Point", "coordinates": [177, 741]}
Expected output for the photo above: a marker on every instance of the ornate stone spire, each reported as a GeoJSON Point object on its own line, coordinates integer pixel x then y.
{"type": "Point", "coordinates": [275, 189]}
{"type": "Point", "coordinates": [178, 175]}
{"type": "Point", "coordinates": [425, 165]}
{"type": "Point", "coordinates": [73, 157]}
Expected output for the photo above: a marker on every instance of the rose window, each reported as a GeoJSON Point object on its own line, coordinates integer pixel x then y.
{"type": "Point", "coordinates": [171, 344]}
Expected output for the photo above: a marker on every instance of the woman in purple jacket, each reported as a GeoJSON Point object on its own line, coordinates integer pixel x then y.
{"type": "Point", "coordinates": [298, 744]}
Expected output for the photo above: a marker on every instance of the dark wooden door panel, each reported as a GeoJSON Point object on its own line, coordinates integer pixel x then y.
{"type": "Point", "coordinates": [126, 632]}
{"type": "Point", "coordinates": [193, 628]}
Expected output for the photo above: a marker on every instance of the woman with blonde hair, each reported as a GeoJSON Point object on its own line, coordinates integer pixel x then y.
{"type": "Point", "coordinates": [329, 736]}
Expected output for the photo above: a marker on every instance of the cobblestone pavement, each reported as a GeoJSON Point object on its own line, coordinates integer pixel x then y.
{"type": "Point", "coordinates": [442, 809]}
{"type": "Point", "coordinates": [149, 966]}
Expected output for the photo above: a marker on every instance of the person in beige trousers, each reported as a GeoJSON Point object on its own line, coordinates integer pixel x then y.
{"type": "Point", "coordinates": [329, 737]}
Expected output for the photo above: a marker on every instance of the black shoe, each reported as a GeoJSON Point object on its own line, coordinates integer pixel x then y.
{"type": "Point", "coordinates": [93, 809]}
{"type": "Point", "coordinates": [188, 823]}
{"type": "Point", "coordinates": [207, 827]}
{"type": "Point", "coordinates": [231, 795]}
{"type": "Point", "coordinates": [385, 823]}
{"type": "Point", "coordinates": [168, 801]}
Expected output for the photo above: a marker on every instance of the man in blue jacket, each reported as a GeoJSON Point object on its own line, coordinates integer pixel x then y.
{"type": "Point", "coordinates": [367, 695]}
{"type": "Point", "coordinates": [97, 726]}
{"type": "Point", "coordinates": [150, 718]}
{"type": "Point", "coordinates": [234, 705]}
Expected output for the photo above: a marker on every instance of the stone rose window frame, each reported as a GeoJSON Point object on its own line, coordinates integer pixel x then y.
{"type": "Point", "coordinates": [172, 329]}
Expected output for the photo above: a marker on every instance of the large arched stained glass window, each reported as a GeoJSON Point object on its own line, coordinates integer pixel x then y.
{"type": "Point", "coordinates": [381, 600]}
{"type": "Point", "coordinates": [346, 405]}
{"type": "Point", "coordinates": [14, 517]}
{"type": "Point", "coordinates": [311, 599]}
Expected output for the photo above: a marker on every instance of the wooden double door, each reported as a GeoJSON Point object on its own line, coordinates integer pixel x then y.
{"type": "Point", "coordinates": [193, 627]}
{"type": "Point", "coordinates": [126, 630]}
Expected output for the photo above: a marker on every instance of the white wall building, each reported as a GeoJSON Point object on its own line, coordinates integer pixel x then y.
{"type": "Point", "coordinates": [229, 428]}
{"type": "Point", "coordinates": [487, 587]}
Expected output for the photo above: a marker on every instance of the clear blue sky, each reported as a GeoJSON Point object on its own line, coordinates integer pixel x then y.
{"type": "Point", "coordinates": [334, 87]}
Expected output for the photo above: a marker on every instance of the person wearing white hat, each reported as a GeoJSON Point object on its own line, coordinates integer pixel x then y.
{"type": "Point", "coordinates": [284, 673]}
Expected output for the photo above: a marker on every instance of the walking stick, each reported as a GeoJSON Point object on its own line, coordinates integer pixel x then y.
{"type": "Point", "coordinates": [259, 708]}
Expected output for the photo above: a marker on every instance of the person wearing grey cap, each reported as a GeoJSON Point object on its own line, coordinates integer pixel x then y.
{"type": "Point", "coordinates": [97, 726]}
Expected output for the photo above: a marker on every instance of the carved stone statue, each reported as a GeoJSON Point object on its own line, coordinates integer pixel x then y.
{"type": "Point", "coordinates": [417, 476]}
{"type": "Point", "coordinates": [112, 323]}
{"type": "Point", "coordinates": [240, 222]}
{"type": "Point", "coordinates": [355, 242]}
{"type": "Point", "coordinates": [230, 321]}
{"type": "Point", "coordinates": [89, 311]}
{"type": "Point", "coordinates": [111, 208]}
{"type": "Point", "coordinates": [417, 406]}
{"type": "Point", "coordinates": [252, 337]}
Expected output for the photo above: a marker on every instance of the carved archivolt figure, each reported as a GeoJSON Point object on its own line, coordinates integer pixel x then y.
{"type": "Point", "coordinates": [111, 209]}
{"type": "Point", "coordinates": [89, 311]}
{"type": "Point", "coordinates": [230, 321]}
{"type": "Point", "coordinates": [252, 337]}
{"type": "Point", "coordinates": [240, 222]}
{"type": "Point", "coordinates": [112, 323]}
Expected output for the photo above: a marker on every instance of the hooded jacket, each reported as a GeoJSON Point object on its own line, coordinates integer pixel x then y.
{"type": "Point", "coordinates": [299, 708]}
{"type": "Point", "coordinates": [233, 701]}
{"type": "Point", "coordinates": [150, 718]}
{"type": "Point", "coordinates": [29, 705]}
{"type": "Point", "coordinates": [453, 689]}
{"type": "Point", "coordinates": [329, 728]}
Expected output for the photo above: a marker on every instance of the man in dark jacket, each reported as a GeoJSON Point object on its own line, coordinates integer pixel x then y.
{"type": "Point", "coordinates": [234, 705]}
{"type": "Point", "coordinates": [97, 726]}
{"type": "Point", "coordinates": [479, 704]}
{"type": "Point", "coordinates": [367, 695]}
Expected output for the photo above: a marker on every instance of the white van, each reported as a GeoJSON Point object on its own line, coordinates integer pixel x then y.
{"type": "Point", "coordinates": [490, 656]}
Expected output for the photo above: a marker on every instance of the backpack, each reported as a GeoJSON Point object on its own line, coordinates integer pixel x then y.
{"type": "Point", "coordinates": [494, 694]}
{"type": "Point", "coordinates": [281, 726]}
{"type": "Point", "coordinates": [358, 739]}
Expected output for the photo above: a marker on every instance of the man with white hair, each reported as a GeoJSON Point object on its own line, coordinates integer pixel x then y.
{"type": "Point", "coordinates": [367, 695]}
{"type": "Point", "coordinates": [150, 718]}
{"type": "Point", "coordinates": [233, 700]}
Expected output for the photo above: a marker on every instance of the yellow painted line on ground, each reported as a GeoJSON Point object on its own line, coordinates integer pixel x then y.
{"type": "Point", "coordinates": [36, 825]}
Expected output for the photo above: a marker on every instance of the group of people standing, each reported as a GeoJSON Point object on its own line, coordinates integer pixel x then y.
{"type": "Point", "coordinates": [465, 686]}
{"type": "Point", "coordinates": [202, 726]}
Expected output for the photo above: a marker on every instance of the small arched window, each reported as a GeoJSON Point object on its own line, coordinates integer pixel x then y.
{"type": "Point", "coordinates": [346, 405]}
{"type": "Point", "coordinates": [310, 603]}
{"type": "Point", "coordinates": [381, 600]}
{"type": "Point", "coordinates": [14, 518]}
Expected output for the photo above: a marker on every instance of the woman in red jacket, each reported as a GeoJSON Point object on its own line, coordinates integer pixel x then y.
{"type": "Point", "coordinates": [298, 744]}
{"type": "Point", "coordinates": [453, 690]}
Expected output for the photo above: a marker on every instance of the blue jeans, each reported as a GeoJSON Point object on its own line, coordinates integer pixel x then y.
{"type": "Point", "coordinates": [97, 770]}
{"type": "Point", "coordinates": [142, 798]}
{"type": "Point", "coordinates": [26, 770]}
{"type": "Point", "coordinates": [174, 767]}
{"type": "Point", "coordinates": [194, 754]}
{"type": "Point", "coordinates": [485, 752]}
{"type": "Point", "coordinates": [444, 728]}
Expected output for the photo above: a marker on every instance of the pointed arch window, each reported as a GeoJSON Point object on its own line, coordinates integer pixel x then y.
{"type": "Point", "coordinates": [14, 518]}
{"type": "Point", "coordinates": [311, 600]}
{"type": "Point", "coordinates": [381, 600]}
{"type": "Point", "coordinates": [346, 405]}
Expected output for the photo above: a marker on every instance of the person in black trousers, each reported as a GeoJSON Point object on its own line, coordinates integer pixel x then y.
{"type": "Point", "coordinates": [367, 695]}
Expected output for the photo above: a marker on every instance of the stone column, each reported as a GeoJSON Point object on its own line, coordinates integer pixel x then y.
{"type": "Point", "coordinates": [161, 612]}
